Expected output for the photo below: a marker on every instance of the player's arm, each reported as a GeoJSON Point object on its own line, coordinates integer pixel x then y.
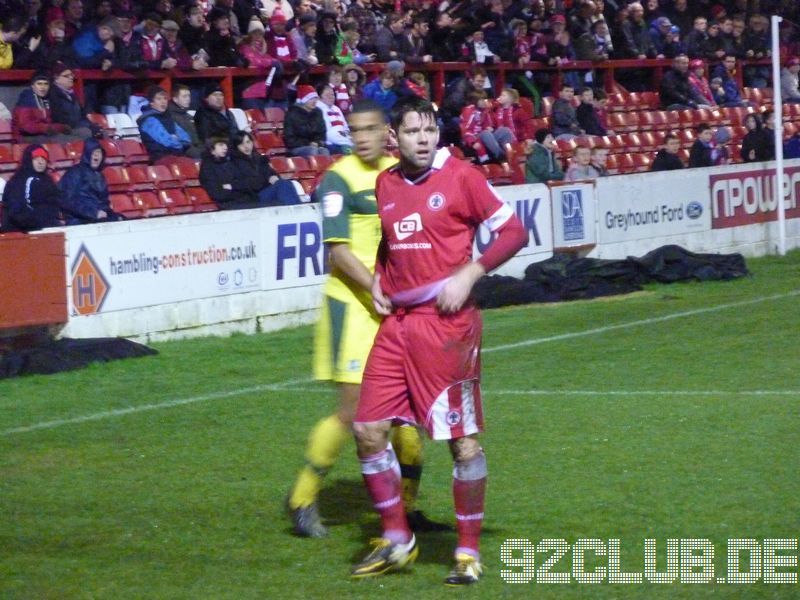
{"type": "Point", "coordinates": [349, 264]}
{"type": "Point", "coordinates": [381, 302]}
{"type": "Point", "coordinates": [511, 237]}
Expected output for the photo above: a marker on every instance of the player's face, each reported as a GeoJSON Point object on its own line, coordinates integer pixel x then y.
{"type": "Point", "coordinates": [417, 137]}
{"type": "Point", "coordinates": [370, 133]}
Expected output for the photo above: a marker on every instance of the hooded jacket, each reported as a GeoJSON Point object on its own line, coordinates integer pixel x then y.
{"type": "Point", "coordinates": [251, 173]}
{"type": "Point", "coordinates": [161, 135]}
{"type": "Point", "coordinates": [31, 200]}
{"type": "Point", "coordinates": [85, 190]}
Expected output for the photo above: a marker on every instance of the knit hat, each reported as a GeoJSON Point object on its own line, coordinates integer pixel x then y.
{"type": "Point", "coordinates": [305, 93]}
{"type": "Point", "coordinates": [277, 17]}
{"type": "Point", "coordinates": [722, 135]}
{"type": "Point", "coordinates": [558, 19]}
{"type": "Point", "coordinates": [211, 87]}
{"type": "Point", "coordinates": [696, 64]}
{"type": "Point", "coordinates": [40, 153]}
{"type": "Point", "coordinates": [40, 76]}
{"type": "Point", "coordinates": [255, 25]}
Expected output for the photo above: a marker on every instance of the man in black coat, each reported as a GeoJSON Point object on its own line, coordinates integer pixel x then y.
{"type": "Point", "coordinates": [212, 119]}
{"type": "Point", "coordinates": [676, 92]}
{"type": "Point", "coordinates": [304, 126]}
{"type": "Point", "coordinates": [667, 158]}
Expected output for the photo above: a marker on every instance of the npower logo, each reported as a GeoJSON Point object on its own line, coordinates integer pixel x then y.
{"type": "Point", "coordinates": [89, 286]}
{"type": "Point", "coordinates": [408, 226]}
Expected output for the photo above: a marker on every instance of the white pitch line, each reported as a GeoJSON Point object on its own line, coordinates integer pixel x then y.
{"type": "Point", "coordinates": [283, 385]}
{"type": "Point", "coordinates": [607, 328]}
{"type": "Point", "coordinates": [118, 412]}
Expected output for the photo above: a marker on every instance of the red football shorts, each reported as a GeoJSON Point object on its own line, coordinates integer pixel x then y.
{"type": "Point", "coordinates": [424, 368]}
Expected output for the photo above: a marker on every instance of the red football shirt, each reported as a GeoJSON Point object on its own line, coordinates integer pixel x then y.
{"type": "Point", "coordinates": [429, 225]}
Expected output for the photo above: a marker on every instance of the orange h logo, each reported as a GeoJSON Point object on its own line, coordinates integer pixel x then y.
{"type": "Point", "coordinates": [89, 287]}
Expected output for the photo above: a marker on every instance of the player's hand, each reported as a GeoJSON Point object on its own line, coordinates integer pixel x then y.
{"type": "Point", "coordinates": [456, 291]}
{"type": "Point", "coordinates": [381, 302]}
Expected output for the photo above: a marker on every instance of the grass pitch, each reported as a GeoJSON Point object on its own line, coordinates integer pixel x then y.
{"type": "Point", "coordinates": [670, 413]}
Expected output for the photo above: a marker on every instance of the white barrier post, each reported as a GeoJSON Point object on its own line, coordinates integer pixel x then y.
{"type": "Point", "coordinates": [778, 116]}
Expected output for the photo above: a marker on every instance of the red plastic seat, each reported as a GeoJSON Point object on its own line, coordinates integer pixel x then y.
{"type": "Point", "coordinates": [123, 204]}
{"type": "Point", "coordinates": [102, 122]}
{"type": "Point", "coordinates": [6, 132]}
{"type": "Point", "coordinates": [611, 164]}
{"type": "Point", "coordinates": [185, 169]}
{"type": "Point", "coordinates": [498, 174]}
{"type": "Point", "coordinates": [117, 179]}
{"type": "Point", "coordinates": [113, 154]}
{"type": "Point", "coordinates": [258, 120]}
{"type": "Point", "coordinates": [8, 162]}
{"type": "Point", "coordinates": [270, 143]}
{"type": "Point", "coordinates": [320, 163]}
{"type": "Point", "coordinates": [649, 141]}
{"type": "Point", "coordinates": [59, 160]}
{"type": "Point", "coordinates": [650, 101]}
{"type": "Point", "coordinates": [274, 115]}
{"type": "Point", "coordinates": [133, 151]}
{"type": "Point", "coordinates": [526, 104]}
{"type": "Point", "coordinates": [641, 162]}
{"type": "Point", "coordinates": [283, 165]}
{"type": "Point", "coordinates": [200, 200]}
{"type": "Point", "coordinates": [175, 201]}
{"type": "Point", "coordinates": [547, 105]}
{"type": "Point", "coordinates": [149, 203]}
{"type": "Point", "coordinates": [162, 177]}
{"type": "Point", "coordinates": [139, 178]}
{"type": "Point", "coordinates": [625, 163]}
{"type": "Point", "coordinates": [687, 137]}
{"type": "Point", "coordinates": [302, 169]}
{"type": "Point", "coordinates": [633, 143]}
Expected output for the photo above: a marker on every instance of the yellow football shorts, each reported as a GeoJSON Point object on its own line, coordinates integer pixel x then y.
{"type": "Point", "coordinates": [342, 340]}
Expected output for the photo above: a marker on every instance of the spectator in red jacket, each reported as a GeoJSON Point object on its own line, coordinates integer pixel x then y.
{"type": "Point", "coordinates": [32, 119]}
{"type": "Point", "coordinates": [508, 114]}
{"type": "Point", "coordinates": [478, 129]}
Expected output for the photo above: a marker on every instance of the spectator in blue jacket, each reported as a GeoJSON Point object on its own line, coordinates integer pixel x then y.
{"type": "Point", "coordinates": [161, 135]}
{"type": "Point", "coordinates": [94, 46]}
{"type": "Point", "coordinates": [726, 71]}
{"type": "Point", "coordinates": [381, 90]}
{"type": "Point", "coordinates": [84, 189]}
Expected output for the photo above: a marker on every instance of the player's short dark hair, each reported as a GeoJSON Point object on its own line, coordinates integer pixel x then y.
{"type": "Point", "coordinates": [366, 105]}
{"type": "Point", "coordinates": [411, 104]}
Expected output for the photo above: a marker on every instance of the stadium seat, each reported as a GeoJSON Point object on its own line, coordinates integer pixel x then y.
{"type": "Point", "coordinates": [8, 162]}
{"type": "Point", "coordinates": [257, 120]}
{"type": "Point", "coordinates": [19, 150]}
{"type": "Point", "coordinates": [687, 137]}
{"type": "Point", "coordinates": [547, 105]}
{"type": "Point", "coordinates": [6, 132]}
{"type": "Point", "coordinates": [241, 119]}
{"type": "Point", "coordinates": [641, 162]}
{"type": "Point", "coordinates": [74, 150]}
{"type": "Point", "coordinates": [102, 122]}
{"type": "Point", "coordinates": [59, 160]}
{"type": "Point", "coordinates": [139, 178]}
{"type": "Point", "coordinates": [123, 125]}
{"type": "Point", "coordinates": [113, 154]}
{"type": "Point", "coordinates": [176, 201]}
{"type": "Point", "coordinates": [616, 103]}
{"type": "Point", "coordinates": [162, 177]}
{"type": "Point", "coordinates": [588, 141]}
{"type": "Point", "coordinates": [498, 174]}
{"type": "Point", "coordinates": [789, 129]}
{"type": "Point", "coordinates": [625, 163]}
{"type": "Point", "coordinates": [611, 164]}
{"type": "Point", "coordinates": [616, 122]}
{"type": "Point", "coordinates": [649, 141]}
{"type": "Point", "coordinates": [123, 204]}
{"type": "Point", "coordinates": [683, 154]}
{"type": "Point", "coordinates": [270, 143]}
{"type": "Point", "coordinates": [660, 120]}
{"type": "Point", "coordinates": [274, 116]}
{"type": "Point", "coordinates": [646, 120]}
{"type": "Point", "coordinates": [650, 101]}
{"type": "Point", "coordinates": [133, 151]}
{"type": "Point", "coordinates": [633, 143]}
{"type": "Point", "coordinates": [283, 165]}
{"type": "Point", "coordinates": [302, 169]}
{"type": "Point", "coordinates": [186, 170]}
{"type": "Point", "coordinates": [149, 203]}
{"type": "Point", "coordinates": [117, 179]}
{"type": "Point", "coordinates": [320, 163]}
{"type": "Point", "coordinates": [200, 199]}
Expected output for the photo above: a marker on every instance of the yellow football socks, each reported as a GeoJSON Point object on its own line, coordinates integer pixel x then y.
{"type": "Point", "coordinates": [407, 443]}
{"type": "Point", "coordinates": [325, 443]}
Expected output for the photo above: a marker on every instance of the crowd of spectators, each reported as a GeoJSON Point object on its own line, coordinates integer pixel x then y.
{"type": "Point", "coordinates": [707, 40]}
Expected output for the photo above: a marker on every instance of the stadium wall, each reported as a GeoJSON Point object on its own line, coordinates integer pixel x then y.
{"type": "Point", "coordinates": [259, 270]}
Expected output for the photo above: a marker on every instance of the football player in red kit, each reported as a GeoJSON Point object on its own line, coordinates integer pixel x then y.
{"type": "Point", "coordinates": [424, 367]}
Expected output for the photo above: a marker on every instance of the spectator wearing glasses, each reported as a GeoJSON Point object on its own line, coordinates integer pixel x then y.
{"type": "Point", "coordinates": [32, 119]}
{"type": "Point", "coordinates": [65, 105]}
